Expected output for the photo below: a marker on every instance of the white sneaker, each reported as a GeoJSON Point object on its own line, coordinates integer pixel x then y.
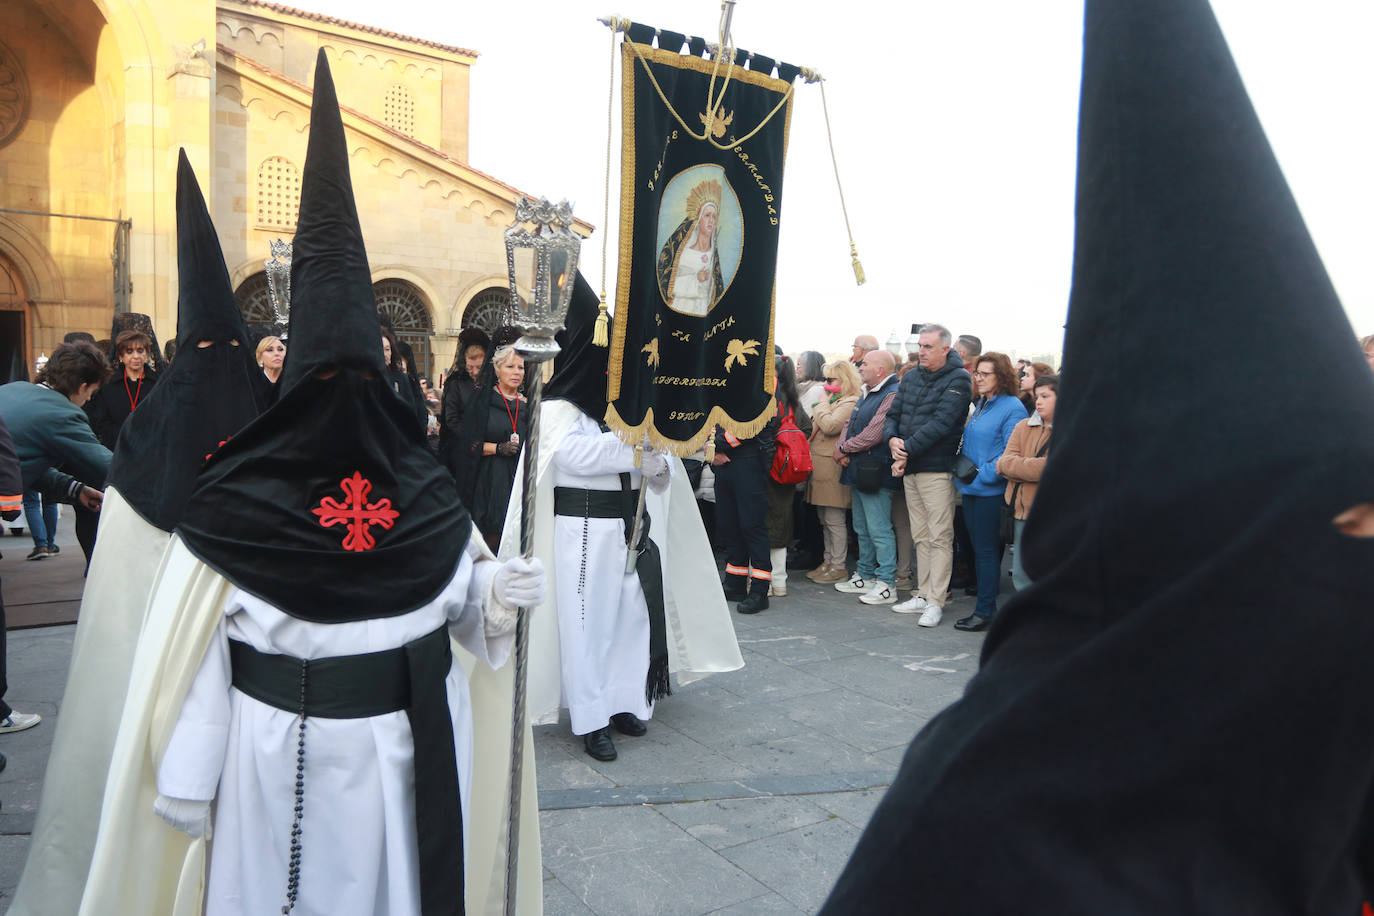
{"type": "Point", "coordinates": [777, 589]}
{"type": "Point", "coordinates": [881, 593]}
{"type": "Point", "coordinates": [18, 721]}
{"type": "Point", "coordinates": [931, 617]}
{"type": "Point", "coordinates": [855, 586]}
{"type": "Point", "coordinates": [910, 606]}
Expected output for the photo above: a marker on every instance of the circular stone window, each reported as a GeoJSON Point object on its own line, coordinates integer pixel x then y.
{"type": "Point", "coordinates": [14, 96]}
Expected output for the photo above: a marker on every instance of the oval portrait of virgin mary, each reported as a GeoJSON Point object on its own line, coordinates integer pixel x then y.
{"type": "Point", "coordinates": [700, 238]}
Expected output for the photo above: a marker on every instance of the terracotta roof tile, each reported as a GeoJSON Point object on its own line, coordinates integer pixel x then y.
{"type": "Point", "coordinates": [370, 29]}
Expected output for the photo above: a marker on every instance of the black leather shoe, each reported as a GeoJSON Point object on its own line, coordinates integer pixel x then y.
{"type": "Point", "coordinates": [754, 603]}
{"type": "Point", "coordinates": [599, 744]}
{"type": "Point", "coordinates": [972, 623]}
{"type": "Point", "coordinates": [627, 723]}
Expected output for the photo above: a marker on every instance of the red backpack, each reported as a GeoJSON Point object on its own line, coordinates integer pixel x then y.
{"type": "Point", "coordinates": [792, 460]}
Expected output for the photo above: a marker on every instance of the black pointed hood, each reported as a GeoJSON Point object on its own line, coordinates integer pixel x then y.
{"type": "Point", "coordinates": [329, 506]}
{"type": "Point", "coordinates": [579, 370]}
{"type": "Point", "coordinates": [1173, 718]}
{"type": "Point", "coordinates": [333, 309]}
{"type": "Point", "coordinates": [206, 395]}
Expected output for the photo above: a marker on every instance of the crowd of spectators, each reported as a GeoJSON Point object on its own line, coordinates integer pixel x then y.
{"type": "Point", "coordinates": [923, 469]}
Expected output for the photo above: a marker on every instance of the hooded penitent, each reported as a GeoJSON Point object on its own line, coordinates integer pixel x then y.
{"type": "Point", "coordinates": [1175, 717]}
{"type": "Point", "coordinates": [334, 479]}
{"type": "Point", "coordinates": [207, 394]}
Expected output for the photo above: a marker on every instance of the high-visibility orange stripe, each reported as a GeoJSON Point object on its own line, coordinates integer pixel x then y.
{"type": "Point", "coordinates": [8, 502]}
{"type": "Point", "coordinates": [763, 574]}
{"type": "Point", "coordinates": [736, 570]}
{"type": "Point", "coordinates": [730, 438]}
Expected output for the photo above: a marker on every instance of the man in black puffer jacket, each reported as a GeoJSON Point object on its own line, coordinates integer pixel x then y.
{"type": "Point", "coordinates": [923, 429]}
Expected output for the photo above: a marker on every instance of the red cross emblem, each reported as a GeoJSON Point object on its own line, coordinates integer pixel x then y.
{"type": "Point", "coordinates": [356, 512]}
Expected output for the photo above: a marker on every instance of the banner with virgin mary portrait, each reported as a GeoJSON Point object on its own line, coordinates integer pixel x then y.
{"type": "Point", "coordinates": [701, 206]}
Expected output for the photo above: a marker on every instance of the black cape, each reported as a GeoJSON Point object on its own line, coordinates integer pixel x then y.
{"type": "Point", "coordinates": [329, 506]}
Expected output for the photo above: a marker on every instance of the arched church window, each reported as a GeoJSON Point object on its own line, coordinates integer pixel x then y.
{"type": "Point", "coordinates": [279, 194]}
{"type": "Point", "coordinates": [14, 96]}
{"type": "Point", "coordinates": [488, 310]}
{"type": "Point", "coordinates": [255, 305]}
{"type": "Point", "coordinates": [398, 109]}
{"type": "Point", "coordinates": [408, 313]}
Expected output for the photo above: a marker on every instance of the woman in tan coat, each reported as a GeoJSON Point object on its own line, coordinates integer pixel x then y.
{"type": "Point", "coordinates": [823, 489]}
{"type": "Point", "coordinates": [1023, 462]}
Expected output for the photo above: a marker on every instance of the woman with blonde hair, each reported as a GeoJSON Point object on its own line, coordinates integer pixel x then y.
{"type": "Point", "coordinates": [271, 354]}
{"type": "Point", "coordinates": [823, 489]}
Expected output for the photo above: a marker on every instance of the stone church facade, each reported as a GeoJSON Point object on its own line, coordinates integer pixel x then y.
{"type": "Point", "coordinates": [96, 98]}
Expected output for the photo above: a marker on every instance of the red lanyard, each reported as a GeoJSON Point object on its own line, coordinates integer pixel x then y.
{"type": "Point", "coordinates": [514, 417]}
{"type": "Point", "coordinates": [133, 395]}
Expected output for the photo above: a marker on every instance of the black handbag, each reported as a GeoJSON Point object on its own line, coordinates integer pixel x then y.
{"type": "Point", "coordinates": [963, 467]}
{"type": "Point", "coordinates": [869, 471]}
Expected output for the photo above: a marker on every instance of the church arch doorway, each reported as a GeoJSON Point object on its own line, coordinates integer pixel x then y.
{"type": "Point", "coordinates": [14, 324]}
{"type": "Point", "coordinates": [404, 308]}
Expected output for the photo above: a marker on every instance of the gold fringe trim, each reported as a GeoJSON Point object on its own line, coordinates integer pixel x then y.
{"type": "Point", "coordinates": [740, 429]}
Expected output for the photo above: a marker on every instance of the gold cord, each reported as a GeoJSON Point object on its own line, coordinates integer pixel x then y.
{"type": "Point", "coordinates": [859, 276]}
{"type": "Point", "coordinates": [600, 337]}
{"type": "Point", "coordinates": [711, 104]}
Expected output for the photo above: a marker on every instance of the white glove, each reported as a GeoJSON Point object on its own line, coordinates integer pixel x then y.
{"type": "Point", "coordinates": [656, 469]}
{"type": "Point", "coordinates": [190, 817]}
{"type": "Point", "coordinates": [520, 583]}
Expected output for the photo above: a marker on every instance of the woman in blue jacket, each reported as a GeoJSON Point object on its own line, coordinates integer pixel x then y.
{"type": "Point", "coordinates": [997, 412]}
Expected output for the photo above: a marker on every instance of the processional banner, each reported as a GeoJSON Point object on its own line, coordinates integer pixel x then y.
{"type": "Point", "coordinates": [701, 206]}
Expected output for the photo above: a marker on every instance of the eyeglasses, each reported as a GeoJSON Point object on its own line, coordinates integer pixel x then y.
{"type": "Point", "coordinates": [831, 378]}
{"type": "Point", "coordinates": [985, 374]}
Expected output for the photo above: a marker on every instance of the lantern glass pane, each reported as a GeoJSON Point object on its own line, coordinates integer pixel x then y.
{"type": "Point", "coordinates": [524, 272]}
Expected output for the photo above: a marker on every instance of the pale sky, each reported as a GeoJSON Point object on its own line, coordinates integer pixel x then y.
{"type": "Point", "coordinates": [955, 127]}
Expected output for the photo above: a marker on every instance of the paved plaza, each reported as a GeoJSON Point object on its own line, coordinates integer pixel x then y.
{"type": "Point", "coordinates": [746, 796]}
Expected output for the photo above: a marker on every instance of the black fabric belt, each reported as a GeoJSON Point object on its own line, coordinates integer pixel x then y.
{"type": "Point", "coordinates": [579, 503]}
{"type": "Point", "coordinates": [410, 678]}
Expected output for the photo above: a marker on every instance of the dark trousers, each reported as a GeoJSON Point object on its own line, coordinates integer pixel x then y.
{"type": "Point", "coordinates": [983, 515]}
{"type": "Point", "coordinates": [4, 672]}
{"type": "Point", "coordinates": [742, 513]}
{"type": "Point", "coordinates": [963, 548]}
{"type": "Point", "coordinates": [85, 522]}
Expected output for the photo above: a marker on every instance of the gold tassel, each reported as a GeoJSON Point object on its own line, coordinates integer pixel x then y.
{"type": "Point", "coordinates": [600, 337]}
{"type": "Point", "coordinates": [859, 277]}
{"type": "Point", "coordinates": [710, 449]}
{"type": "Point", "coordinates": [639, 456]}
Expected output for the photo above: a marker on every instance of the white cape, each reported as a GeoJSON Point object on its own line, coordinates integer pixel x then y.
{"type": "Point", "coordinates": [141, 865]}
{"type": "Point", "coordinates": [701, 636]}
{"type": "Point", "coordinates": [128, 552]}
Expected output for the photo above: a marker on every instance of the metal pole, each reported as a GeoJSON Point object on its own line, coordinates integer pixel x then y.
{"type": "Point", "coordinates": [522, 629]}
{"type": "Point", "coordinates": [631, 553]}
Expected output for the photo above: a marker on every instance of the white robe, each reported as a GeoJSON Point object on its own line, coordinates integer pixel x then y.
{"type": "Point", "coordinates": [141, 865]}
{"type": "Point", "coordinates": [359, 847]}
{"type": "Point", "coordinates": [701, 636]}
{"type": "Point", "coordinates": [603, 619]}
{"type": "Point", "coordinates": [124, 565]}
